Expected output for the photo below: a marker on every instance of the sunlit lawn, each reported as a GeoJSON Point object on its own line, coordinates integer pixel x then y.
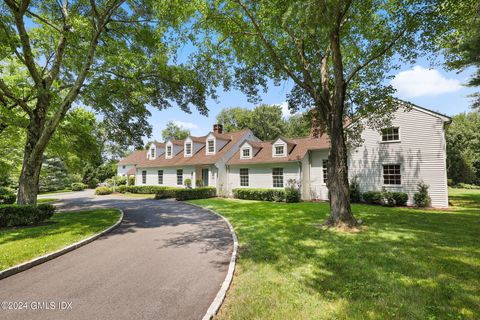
{"type": "Point", "coordinates": [46, 200]}
{"type": "Point", "coordinates": [22, 244]}
{"type": "Point", "coordinates": [137, 195]}
{"type": "Point", "coordinates": [408, 264]}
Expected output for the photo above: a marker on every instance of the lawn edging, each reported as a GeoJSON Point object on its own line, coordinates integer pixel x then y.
{"type": "Point", "coordinates": [221, 294]}
{"type": "Point", "coordinates": [49, 256]}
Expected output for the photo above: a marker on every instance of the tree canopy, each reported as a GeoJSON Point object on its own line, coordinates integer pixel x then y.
{"type": "Point", "coordinates": [174, 131]}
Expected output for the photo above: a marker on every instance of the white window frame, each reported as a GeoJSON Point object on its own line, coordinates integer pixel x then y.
{"type": "Point", "coordinates": [274, 150]}
{"type": "Point", "coordinates": [188, 154]}
{"type": "Point", "coordinates": [282, 175]}
{"type": "Point", "coordinates": [180, 171]}
{"type": "Point", "coordinates": [244, 176]}
{"type": "Point", "coordinates": [392, 174]}
{"type": "Point", "coordinates": [208, 146]}
{"type": "Point", "coordinates": [390, 134]}
{"type": "Point", "coordinates": [242, 155]}
{"type": "Point", "coordinates": [152, 153]}
{"type": "Point", "coordinates": [168, 155]}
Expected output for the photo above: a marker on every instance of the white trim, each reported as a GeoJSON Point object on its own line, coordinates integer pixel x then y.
{"type": "Point", "coordinates": [207, 147]}
{"type": "Point", "coordinates": [169, 144]}
{"type": "Point", "coordinates": [274, 149]}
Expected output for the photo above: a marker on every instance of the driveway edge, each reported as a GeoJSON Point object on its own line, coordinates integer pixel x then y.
{"type": "Point", "coordinates": [29, 264]}
{"type": "Point", "coordinates": [220, 297]}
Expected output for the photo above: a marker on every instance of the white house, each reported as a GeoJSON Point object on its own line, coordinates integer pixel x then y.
{"type": "Point", "coordinates": [396, 158]}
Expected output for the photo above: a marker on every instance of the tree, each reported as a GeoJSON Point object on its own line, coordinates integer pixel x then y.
{"type": "Point", "coordinates": [463, 148]}
{"type": "Point", "coordinates": [174, 131]}
{"type": "Point", "coordinates": [235, 118]}
{"type": "Point", "coordinates": [112, 55]}
{"type": "Point", "coordinates": [298, 125]}
{"type": "Point", "coordinates": [337, 53]}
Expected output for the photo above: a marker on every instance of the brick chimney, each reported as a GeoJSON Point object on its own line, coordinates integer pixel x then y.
{"type": "Point", "coordinates": [217, 128]}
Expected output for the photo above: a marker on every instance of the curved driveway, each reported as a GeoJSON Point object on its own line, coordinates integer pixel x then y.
{"type": "Point", "coordinates": [167, 260]}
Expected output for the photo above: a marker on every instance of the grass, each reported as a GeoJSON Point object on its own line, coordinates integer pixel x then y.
{"type": "Point", "coordinates": [46, 200]}
{"type": "Point", "coordinates": [138, 195]}
{"type": "Point", "coordinates": [56, 191]}
{"type": "Point", "coordinates": [22, 244]}
{"type": "Point", "coordinates": [407, 264]}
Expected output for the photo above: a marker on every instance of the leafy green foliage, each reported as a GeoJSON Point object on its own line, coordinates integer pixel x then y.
{"type": "Point", "coordinates": [463, 148]}
{"type": "Point", "coordinates": [261, 194]}
{"type": "Point", "coordinates": [373, 197]}
{"type": "Point", "coordinates": [78, 186]}
{"type": "Point", "coordinates": [174, 132]}
{"type": "Point", "coordinates": [12, 215]}
{"type": "Point", "coordinates": [166, 192]}
{"type": "Point", "coordinates": [145, 189]}
{"type": "Point", "coordinates": [355, 193]}
{"type": "Point", "coordinates": [421, 197]}
{"type": "Point", "coordinates": [103, 191]}
{"type": "Point", "coordinates": [54, 175]}
{"type": "Point", "coordinates": [195, 193]}
{"type": "Point", "coordinates": [187, 183]}
{"type": "Point", "coordinates": [292, 191]}
{"type": "Point", "coordinates": [7, 195]}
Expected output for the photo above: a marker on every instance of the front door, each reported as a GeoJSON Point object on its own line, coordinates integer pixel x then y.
{"type": "Point", "coordinates": [205, 177]}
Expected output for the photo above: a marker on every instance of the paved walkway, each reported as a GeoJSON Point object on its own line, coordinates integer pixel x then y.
{"type": "Point", "coordinates": [167, 260]}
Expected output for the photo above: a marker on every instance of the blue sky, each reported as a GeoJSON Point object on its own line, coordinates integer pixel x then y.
{"type": "Point", "coordinates": [432, 88]}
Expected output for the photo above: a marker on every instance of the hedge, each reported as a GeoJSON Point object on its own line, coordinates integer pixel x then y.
{"type": "Point", "coordinates": [167, 192]}
{"type": "Point", "coordinates": [78, 186]}
{"type": "Point", "coordinates": [373, 197]}
{"type": "Point", "coordinates": [386, 198]}
{"type": "Point", "coordinates": [259, 194]}
{"type": "Point", "coordinates": [143, 189]}
{"type": "Point", "coordinates": [7, 196]}
{"type": "Point", "coordinates": [196, 193]}
{"type": "Point", "coordinates": [12, 215]}
{"type": "Point", "coordinates": [103, 191]}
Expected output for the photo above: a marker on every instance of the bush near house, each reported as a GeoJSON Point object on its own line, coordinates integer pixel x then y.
{"type": "Point", "coordinates": [385, 198]}
{"type": "Point", "coordinates": [7, 196]}
{"type": "Point", "coordinates": [167, 192]}
{"type": "Point", "coordinates": [143, 189]}
{"type": "Point", "coordinates": [103, 191]}
{"type": "Point", "coordinates": [12, 215]}
{"type": "Point", "coordinates": [131, 180]}
{"type": "Point", "coordinates": [355, 193]}
{"type": "Point", "coordinates": [276, 195]}
{"type": "Point", "coordinates": [373, 197]}
{"type": "Point", "coordinates": [196, 193]}
{"type": "Point", "coordinates": [78, 186]}
{"type": "Point", "coordinates": [421, 198]}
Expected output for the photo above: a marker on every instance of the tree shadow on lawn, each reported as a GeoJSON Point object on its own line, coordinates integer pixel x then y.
{"type": "Point", "coordinates": [407, 264]}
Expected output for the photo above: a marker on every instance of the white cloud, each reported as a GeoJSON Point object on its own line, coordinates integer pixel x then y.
{"type": "Point", "coordinates": [186, 125]}
{"type": "Point", "coordinates": [285, 112]}
{"type": "Point", "coordinates": [420, 81]}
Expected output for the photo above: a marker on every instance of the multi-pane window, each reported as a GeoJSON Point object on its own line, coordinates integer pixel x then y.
{"type": "Point", "coordinates": [246, 152]}
{"type": "Point", "coordinates": [144, 176]}
{"type": "Point", "coordinates": [390, 134]}
{"type": "Point", "coordinates": [277, 175]}
{"type": "Point", "coordinates": [188, 148]}
{"type": "Point", "coordinates": [169, 151]}
{"type": "Point", "coordinates": [152, 153]}
{"type": "Point", "coordinates": [244, 177]}
{"type": "Point", "coordinates": [123, 167]}
{"type": "Point", "coordinates": [211, 146]}
{"type": "Point", "coordinates": [325, 170]}
{"type": "Point", "coordinates": [160, 176]}
{"type": "Point", "coordinates": [179, 177]}
{"type": "Point", "coordinates": [279, 150]}
{"type": "Point", "coordinates": [392, 174]}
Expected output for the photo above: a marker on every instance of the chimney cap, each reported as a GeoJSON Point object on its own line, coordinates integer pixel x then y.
{"type": "Point", "coordinates": [217, 128]}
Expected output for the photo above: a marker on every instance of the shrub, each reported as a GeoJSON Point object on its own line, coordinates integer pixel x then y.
{"type": "Point", "coordinates": [166, 192]}
{"type": "Point", "coordinates": [388, 198]}
{"type": "Point", "coordinates": [122, 189]}
{"type": "Point", "coordinates": [355, 194]}
{"type": "Point", "coordinates": [199, 183]}
{"type": "Point", "coordinates": [259, 194]}
{"type": "Point", "coordinates": [103, 191]}
{"type": "Point", "coordinates": [187, 183]}
{"type": "Point", "coordinates": [117, 181]}
{"type": "Point", "coordinates": [373, 197]}
{"type": "Point", "coordinates": [292, 191]}
{"type": "Point", "coordinates": [196, 193]}
{"type": "Point", "coordinates": [7, 196]}
{"type": "Point", "coordinates": [23, 215]}
{"type": "Point", "coordinates": [421, 198]}
{"type": "Point", "coordinates": [131, 180]}
{"type": "Point", "coordinates": [450, 182]}
{"type": "Point", "coordinates": [401, 198]}
{"type": "Point", "coordinates": [78, 186]}
{"type": "Point", "coordinates": [92, 183]}
{"type": "Point", "coordinates": [462, 185]}
{"type": "Point", "coordinates": [145, 189]}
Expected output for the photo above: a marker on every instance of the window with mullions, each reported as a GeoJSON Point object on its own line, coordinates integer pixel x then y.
{"type": "Point", "coordinates": [160, 176]}
{"type": "Point", "coordinates": [325, 170]}
{"type": "Point", "coordinates": [390, 134]}
{"type": "Point", "coordinates": [277, 175]}
{"type": "Point", "coordinates": [144, 177]}
{"type": "Point", "coordinates": [179, 177]}
{"type": "Point", "coordinates": [392, 174]}
{"type": "Point", "coordinates": [244, 177]}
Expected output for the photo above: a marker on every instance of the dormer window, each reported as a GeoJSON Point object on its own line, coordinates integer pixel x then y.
{"type": "Point", "coordinates": [211, 146]}
{"type": "Point", "coordinates": [188, 149]}
{"type": "Point", "coordinates": [279, 150]}
{"type": "Point", "coordinates": [152, 153]}
{"type": "Point", "coordinates": [168, 154]}
{"type": "Point", "coordinates": [246, 153]}
{"type": "Point", "coordinates": [390, 134]}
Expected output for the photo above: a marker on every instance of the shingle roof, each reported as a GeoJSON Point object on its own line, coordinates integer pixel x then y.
{"type": "Point", "coordinates": [302, 145]}
{"type": "Point", "coordinates": [199, 158]}
{"type": "Point", "coordinates": [134, 157]}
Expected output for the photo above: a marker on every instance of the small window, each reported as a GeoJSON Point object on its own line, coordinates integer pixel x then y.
{"type": "Point", "coordinates": [390, 134]}
{"type": "Point", "coordinates": [160, 176]}
{"type": "Point", "coordinates": [169, 151]}
{"type": "Point", "coordinates": [144, 177]}
{"type": "Point", "coordinates": [277, 175]}
{"type": "Point", "coordinates": [211, 146]}
{"type": "Point", "coordinates": [123, 167]}
{"type": "Point", "coordinates": [392, 174]}
{"type": "Point", "coordinates": [244, 177]}
{"type": "Point", "coordinates": [152, 153]}
{"type": "Point", "coordinates": [279, 150]}
{"type": "Point", "coordinates": [325, 170]}
{"type": "Point", "coordinates": [179, 177]}
{"type": "Point", "coordinates": [188, 149]}
{"type": "Point", "coordinates": [246, 153]}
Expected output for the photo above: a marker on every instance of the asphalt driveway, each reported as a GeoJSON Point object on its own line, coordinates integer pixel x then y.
{"type": "Point", "coordinates": [167, 260]}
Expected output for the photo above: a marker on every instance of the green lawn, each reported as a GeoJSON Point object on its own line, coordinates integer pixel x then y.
{"type": "Point", "coordinates": [46, 200]}
{"type": "Point", "coordinates": [138, 195]}
{"type": "Point", "coordinates": [57, 191]}
{"type": "Point", "coordinates": [22, 244]}
{"type": "Point", "coordinates": [407, 264]}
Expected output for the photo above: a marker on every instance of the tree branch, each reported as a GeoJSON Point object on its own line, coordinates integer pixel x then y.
{"type": "Point", "coordinates": [8, 93]}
